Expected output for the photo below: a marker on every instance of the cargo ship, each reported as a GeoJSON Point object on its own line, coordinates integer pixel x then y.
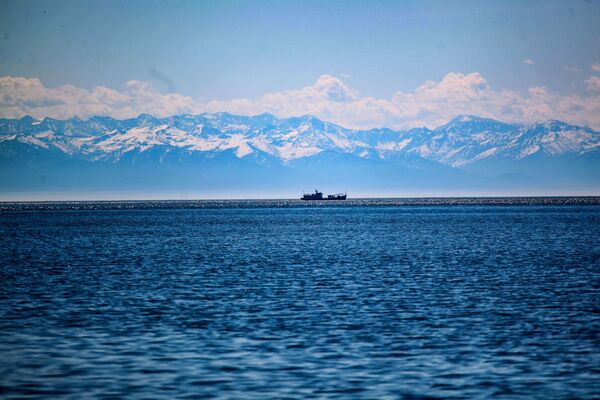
{"type": "Point", "coordinates": [319, 196]}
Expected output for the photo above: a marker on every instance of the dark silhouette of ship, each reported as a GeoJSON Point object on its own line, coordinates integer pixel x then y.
{"type": "Point", "coordinates": [319, 196]}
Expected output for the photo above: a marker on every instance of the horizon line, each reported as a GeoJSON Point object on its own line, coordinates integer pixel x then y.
{"type": "Point", "coordinates": [209, 199]}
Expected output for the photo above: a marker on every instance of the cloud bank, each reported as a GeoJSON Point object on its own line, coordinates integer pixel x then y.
{"type": "Point", "coordinates": [329, 98]}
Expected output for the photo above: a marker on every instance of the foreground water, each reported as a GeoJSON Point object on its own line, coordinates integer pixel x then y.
{"type": "Point", "coordinates": [357, 300]}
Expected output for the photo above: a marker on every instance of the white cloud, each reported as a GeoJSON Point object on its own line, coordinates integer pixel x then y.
{"type": "Point", "coordinates": [571, 68]}
{"type": "Point", "coordinates": [528, 61]}
{"type": "Point", "coordinates": [596, 67]}
{"type": "Point", "coordinates": [593, 83]}
{"type": "Point", "coordinates": [20, 96]}
{"type": "Point", "coordinates": [431, 104]}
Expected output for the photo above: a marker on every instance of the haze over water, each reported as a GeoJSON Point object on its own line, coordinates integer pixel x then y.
{"type": "Point", "coordinates": [369, 299]}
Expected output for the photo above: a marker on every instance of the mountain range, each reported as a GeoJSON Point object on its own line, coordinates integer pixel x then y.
{"type": "Point", "coordinates": [248, 156]}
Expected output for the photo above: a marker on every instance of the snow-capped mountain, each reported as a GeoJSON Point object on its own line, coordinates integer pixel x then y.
{"type": "Point", "coordinates": [468, 147]}
{"type": "Point", "coordinates": [462, 141]}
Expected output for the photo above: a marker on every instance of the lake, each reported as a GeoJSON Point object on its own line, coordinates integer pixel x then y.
{"type": "Point", "coordinates": [438, 298]}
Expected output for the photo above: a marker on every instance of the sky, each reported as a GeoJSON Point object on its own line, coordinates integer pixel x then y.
{"type": "Point", "coordinates": [361, 64]}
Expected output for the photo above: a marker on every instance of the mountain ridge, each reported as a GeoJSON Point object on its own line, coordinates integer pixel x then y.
{"type": "Point", "coordinates": [468, 151]}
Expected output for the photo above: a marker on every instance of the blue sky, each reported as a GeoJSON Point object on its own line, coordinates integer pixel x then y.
{"type": "Point", "coordinates": [209, 53]}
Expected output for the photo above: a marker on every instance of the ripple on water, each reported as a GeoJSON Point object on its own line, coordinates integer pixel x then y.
{"type": "Point", "coordinates": [456, 298]}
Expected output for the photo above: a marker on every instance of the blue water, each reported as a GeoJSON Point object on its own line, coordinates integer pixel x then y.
{"type": "Point", "coordinates": [355, 301]}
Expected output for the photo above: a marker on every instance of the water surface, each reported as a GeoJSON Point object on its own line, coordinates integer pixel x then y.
{"type": "Point", "coordinates": [451, 300]}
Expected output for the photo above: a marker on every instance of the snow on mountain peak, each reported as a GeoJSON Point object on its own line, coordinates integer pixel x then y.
{"type": "Point", "coordinates": [463, 140]}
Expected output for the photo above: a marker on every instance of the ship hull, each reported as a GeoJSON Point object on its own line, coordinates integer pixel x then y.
{"type": "Point", "coordinates": [319, 196]}
{"type": "Point", "coordinates": [324, 199]}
